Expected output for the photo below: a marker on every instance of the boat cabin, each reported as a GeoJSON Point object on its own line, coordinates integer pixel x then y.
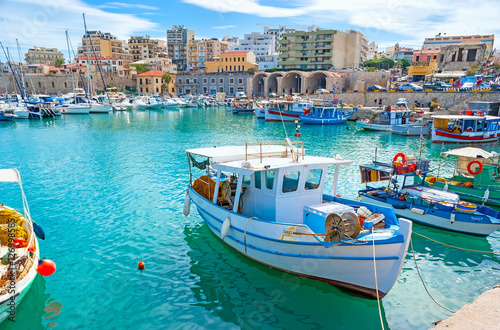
{"type": "Point", "coordinates": [459, 124]}
{"type": "Point", "coordinates": [271, 182]}
{"type": "Point", "coordinates": [395, 117]}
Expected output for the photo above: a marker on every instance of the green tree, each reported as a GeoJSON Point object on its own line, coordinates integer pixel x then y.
{"type": "Point", "coordinates": [251, 70]}
{"type": "Point", "coordinates": [404, 63]}
{"type": "Point", "coordinates": [59, 63]}
{"type": "Point", "coordinates": [166, 78]}
{"type": "Point", "coordinates": [370, 69]}
{"type": "Point", "coordinates": [141, 68]}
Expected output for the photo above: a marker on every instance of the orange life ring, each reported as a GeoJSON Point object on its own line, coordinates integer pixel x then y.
{"type": "Point", "coordinates": [478, 170]}
{"type": "Point", "coordinates": [400, 154]}
{"type": "Point", "coordinates": [275, 105]}
{"type": "Point", "coordinates": [479, 113]}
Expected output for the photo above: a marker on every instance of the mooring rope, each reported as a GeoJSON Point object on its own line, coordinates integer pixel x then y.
{"type": "Point", "coordinates": [455, 247]}
{"type": "Point", "coordinates": [245, 234]}
{"type": "Point", "coordinates": [422, 280]}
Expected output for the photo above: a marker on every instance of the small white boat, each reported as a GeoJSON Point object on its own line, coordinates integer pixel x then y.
{"type": "Point", "coordinates": [170, 103]}
{"type": "Point", "coordinates": [153, 104]}
{"type": "Point", "coordinates": [75, 109]}
{"type": "Point", "coordinates": [139, 104]}
{"type": "Point", "coordinates": [180, 103]}
{"type": "Point", "coordinates": [270, 207]}
{"type": "Point", "coordinates": [23, 263]}
{"type": "Point", "coordinates": [388, 119]}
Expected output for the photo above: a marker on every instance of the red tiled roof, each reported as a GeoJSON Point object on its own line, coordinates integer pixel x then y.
{"type": "Point", "coordinates": [236, 52]}
{"type": "Point", "coordinates": [152, 73]}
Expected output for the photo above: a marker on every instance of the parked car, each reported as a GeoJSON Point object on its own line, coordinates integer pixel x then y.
{"type": "Point", "coordinates": [376, 88]}
{"type": "Point", "coordinates": [321, 91]}
{"type": "Point", "coordinates": [437, 86]}
{"type": "Point", "coordinates": [467, 86]}
{"type": "Point", "coordinates": [412, 86]}
{"type": "Point", "coordinates": [241, 95]}
{"type": "Point", "coordinates": [272, 95]}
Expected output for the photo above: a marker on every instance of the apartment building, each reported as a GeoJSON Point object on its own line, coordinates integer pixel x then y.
{"type": "Point", "coordinates": [232, 61]}
{"type": "Point", "coordinates": [141, 47]}
{"type": "Point", "coordinates": [200, 51]}
{"type": "Point", "coordinates": [323, 49]}
{"type": "Point", "coordinates": [212, 83]}
{"type": "Point", "coordinates": [104, 45]}
{"type": "Point", "coordinates": [43, 55]}
{"type": "Point", "coordinates": [177, 45]}
{"type": "Point", "coordinates": [433, 46]}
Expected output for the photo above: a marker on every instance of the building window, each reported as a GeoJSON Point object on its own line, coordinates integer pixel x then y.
{"type": "Point", "coordinates": [240, 80]}
{"type": "Point", "coordinates": [205, 80]}
{"type": "Point", "coordinates": [231, 80]}
{"type": "Point", "coordinates": [212, 80]}
{"type": "Point", "coordinates": [156, 80]}
{"type": "Point", "coordinates": [140, 81]}
{"type": "Point", "coordinates": [221, 80]}
{"type": "Point", "coordinates": [195, 80]}
{"type": "Point", "coordinates": [471, 55]}
{"type": "Point", "coordinates": [231, 90]}
{"type": "Point", "coordinates": [147, 90]}
{"type": "Point", "coordinates": [221, 89]}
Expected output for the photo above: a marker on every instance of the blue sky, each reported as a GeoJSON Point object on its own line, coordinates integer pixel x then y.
{"type": "Point", "coordinates": [43, 22]}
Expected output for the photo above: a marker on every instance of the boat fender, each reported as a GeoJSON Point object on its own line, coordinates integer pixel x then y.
{"type": "Point", "coordinates": [187, 205]}
{"type": "Point", "coordinates": [38, 231]}
{"type": "Point", "coordinates": [486, 195]}
{"type": "Point", "coordinates": [417, 211]}
{"type": "Point", "coordinates": [480, 168]}
{"type": "Point", "coordinates": [452, 218]}
{"type": "Point", "coordinates": [400, 206]}
{"type": "Point", "coordinates": [225, 227]}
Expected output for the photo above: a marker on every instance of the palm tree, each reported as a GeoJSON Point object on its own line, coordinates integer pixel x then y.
{"type": "Point", "coordinates": [166, 79]}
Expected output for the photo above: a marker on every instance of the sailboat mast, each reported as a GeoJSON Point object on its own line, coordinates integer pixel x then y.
{"type": "Point", "coordinates": [20, 65]}
{"type": "Point", "coordinates": [88, 56]}
{"type": "Point", "coordinates": [70, 61]}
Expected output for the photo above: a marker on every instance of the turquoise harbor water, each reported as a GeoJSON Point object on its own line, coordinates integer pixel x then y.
{"type": "Point", "coordinates": [108, 191]}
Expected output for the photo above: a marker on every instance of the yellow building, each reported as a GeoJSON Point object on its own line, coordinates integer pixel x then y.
{"type": "Point", "coordinates": [104, 44]}
{"type": "Point", "coordinates": [151, 83]}
{"type": "Point", "coordinates": [201, 51]}
{"type": "Point", "coordinates": [418, 72]}
{"type": "Point", "coordinates": [232, 61]}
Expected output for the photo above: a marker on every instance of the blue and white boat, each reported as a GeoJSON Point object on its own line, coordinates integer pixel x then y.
{"type": "Point", "coordinates": [424, 205]}
{"type": "Point", "coordinates": [327, 114]}
{"type": "Point", "coordinates": [270, 207]}
{"type": "Point", "coordinates": [243, 106]}
{"type": "Point", "coordinates": [388, 119]}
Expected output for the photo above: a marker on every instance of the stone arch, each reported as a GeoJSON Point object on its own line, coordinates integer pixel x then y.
{"type": "Point", "coordinates": [316, 80]}
{"type": "Point", "coordinates": [293, 82]}
{"type": "Point", "coordinates": [274, 82]}
{"type": "Point", "coordinates": [259, 82]}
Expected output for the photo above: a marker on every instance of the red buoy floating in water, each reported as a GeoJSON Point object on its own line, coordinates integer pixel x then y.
{"type": "Point", "coordinates": [141, 266]}
{"type": "Point", "coordinates": [46, 267]}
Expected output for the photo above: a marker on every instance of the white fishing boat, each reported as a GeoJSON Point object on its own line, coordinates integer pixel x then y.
{"type": "Point", "coordinates": [153, 104]}
{"type": "Point", "coordinates": [270, 207]}
{"type": "Point", "coordinates": [18, 269]}
{"type": "Point", "coordinates": [388, 119]}
{"type": "Point", "coordinates": [170, 103]}
{"type": "Point", "coordinates": [180, 103]}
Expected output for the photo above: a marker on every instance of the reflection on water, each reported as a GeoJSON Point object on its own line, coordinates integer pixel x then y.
{"type": "Point", "coordinates": [250, 295]}
{"type": "Point", "coordinates": [108, 191]}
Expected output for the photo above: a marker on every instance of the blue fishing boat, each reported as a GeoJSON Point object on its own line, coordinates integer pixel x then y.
{"type": "Point", "coordinates": [327, 114]}
{"type": "Point", "coordinates": [266, 201]}
{"type": "Point", "coordinates": [244, 106]}
{"type": "Point", "coordinates": [424, 205]}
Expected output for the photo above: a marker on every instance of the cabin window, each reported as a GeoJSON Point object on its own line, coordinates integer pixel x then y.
{"type": "Point", "coordinates": [257, 180]}
{"type": "Point", "coordinates": [270, 179]}
{"type": "Point", "coordinates": [290, 181]}
{"type": "Point", "coordinates": [246, 179]}
{"type": "Point", "coordinates": [313, 179]}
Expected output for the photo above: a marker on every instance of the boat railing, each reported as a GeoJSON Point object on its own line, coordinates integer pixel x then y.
{"type": "Point", "coordinates": [292, 149]}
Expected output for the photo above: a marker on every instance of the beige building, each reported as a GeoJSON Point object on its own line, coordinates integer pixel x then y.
{"type": "Point", "coordinates": [43, 55]}
{"type": "Point", "coordinates": [141, 47]}
{"type": "Point", "coordinates": [104, 45]}
{"type": "Point", "coordinates": [158, 64]}
{"type": "Point", "coordinates": [201, 51]}
{"type": "Point", "coordinates": [461, 57]}
{"type": "Point", "coordinates": [441, 41]}
{"type": "Point", "coordinates": [232, 61]}
{"type": "Point", "coordinates": [323, 49]}
{"type": "Point", "coordinates": [151, 82]}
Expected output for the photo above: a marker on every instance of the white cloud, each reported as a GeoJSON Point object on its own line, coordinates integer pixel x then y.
{"type": "Point", "coordinates": [42, 23]}
{"type": "Point", "coordinates": [223, 27]}
{"type": "Point", "coordinates": [116, 5]}
{"type": "Point", "coordinates": [414, 21]}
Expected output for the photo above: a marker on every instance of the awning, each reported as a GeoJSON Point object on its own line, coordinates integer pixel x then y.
{"type": "Point", "coordinates": [469, 152]}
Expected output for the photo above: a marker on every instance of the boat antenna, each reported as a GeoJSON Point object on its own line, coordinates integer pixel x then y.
{"type": "Point", "coordinates": [297, 135]}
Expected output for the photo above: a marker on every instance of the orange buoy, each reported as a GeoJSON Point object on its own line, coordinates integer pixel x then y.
{"type": "Point", "coordinates": [402, 155]}
{"type": "Point", "coordinates": [46, 267]}
{"type": "Point", "coordinates": [141, 266]}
